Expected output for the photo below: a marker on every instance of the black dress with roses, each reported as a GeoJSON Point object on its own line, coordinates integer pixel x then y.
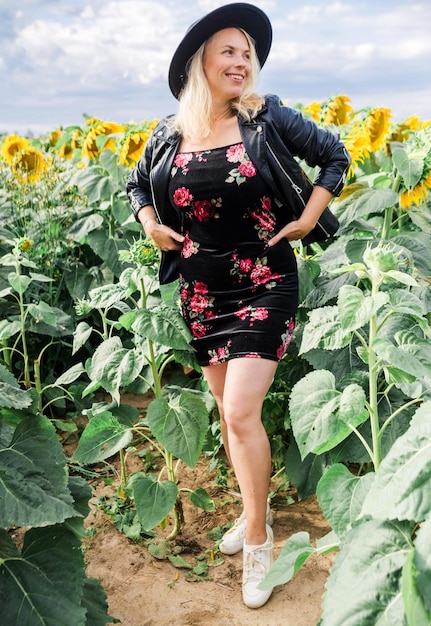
{"type": "Point", "coordinates": [238, 295]}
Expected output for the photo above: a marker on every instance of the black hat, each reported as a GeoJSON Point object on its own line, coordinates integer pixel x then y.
{"type": "Point", "coordinates": [240, 15]}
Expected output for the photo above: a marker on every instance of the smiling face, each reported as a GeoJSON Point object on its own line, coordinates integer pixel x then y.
{"type": "Point", "coordinates": [227, 63]}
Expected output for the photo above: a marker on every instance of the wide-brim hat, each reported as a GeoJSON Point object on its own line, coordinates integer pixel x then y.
{"type": "Point", "coordinates": [240, 15]}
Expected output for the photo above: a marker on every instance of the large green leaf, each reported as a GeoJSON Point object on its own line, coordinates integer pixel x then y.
{"type": "Point", "coordinates": [95, 603]}
{"type": "Point", "coordinates": [422, 562]}
{"type": "Point", "coordinates": [356, 309]}
{"type": "Point", "coordinates": [296, 551]}
{"type": "Point", "coordinates": [341, 495]}
{"type": "Point", "coordinates": [324, 330]}
{"type": "Point", "coordinates": [103, 437]}
{"type": "Point", "coordinates": [364, 583]}
{"type": "Point", "coordinates": [180, 425]}
{"type": "Point", "coordinates": [9, 329]}
{"type": "Point", "coordinates": [12, 396]}
{"type": "Point", "coordinates": [84, 225]}
{"type": "Point", "coordinates": [414, 607]}
{"type": "Point", "coordinates": [107, 295]}
{"type": "Point", "coordinates": [409, 167]}
{"type": "Point", "coordinates": [113, 366]}
{"type": "Point", "coordinates": [321, 415]}
{"type": "Point", "coordinates": [163, 325]}
{"type": "Point", "coordinates": [43, 585]}
{"type": "Point", "coordinates": [153, 499]}
{"type": "Point", "coordinates": [419, 245]}
{"type": "Point", "coordinates": [82, 333]}
{"type": "Point", "coordinates": [401, 489]}
{"type": "Point", "coordinates": [95, 184]}
{"type": "Point", "coordinates": [33, 477]}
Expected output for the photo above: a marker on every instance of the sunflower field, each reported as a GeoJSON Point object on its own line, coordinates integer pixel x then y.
{"type": "Point", "coordinates": [84, 321]}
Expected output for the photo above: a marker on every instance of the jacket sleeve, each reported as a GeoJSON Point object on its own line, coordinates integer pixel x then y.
{"type": "Point", "coordinates": [316, 146]}
{"type": "Point", "coordinates": [138, 184]}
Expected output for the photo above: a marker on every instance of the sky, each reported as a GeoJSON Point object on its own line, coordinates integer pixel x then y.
{"type": "Point", "coordinates": [61, 59]}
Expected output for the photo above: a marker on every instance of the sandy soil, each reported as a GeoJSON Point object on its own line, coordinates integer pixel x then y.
{"type": "Point", "coordinates": [145, 591]}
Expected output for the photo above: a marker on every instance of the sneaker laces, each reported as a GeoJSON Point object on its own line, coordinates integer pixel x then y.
{"type": "Point", "coordinates": [254, 569]}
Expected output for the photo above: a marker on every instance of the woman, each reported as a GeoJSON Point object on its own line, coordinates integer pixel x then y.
{"type": "Point", "coordinates": [218, 182]}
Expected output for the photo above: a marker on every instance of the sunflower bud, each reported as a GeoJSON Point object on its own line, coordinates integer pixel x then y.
{"type": "Point", "coordinates": [381, 258]}
{"type": "Point", "coordinates": [83, 307]}
{"type": "Point", "coordinates": [142, 253]}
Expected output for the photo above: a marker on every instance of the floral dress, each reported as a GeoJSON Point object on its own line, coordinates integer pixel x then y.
{"type": "Point", "coordinates": [238, 295]}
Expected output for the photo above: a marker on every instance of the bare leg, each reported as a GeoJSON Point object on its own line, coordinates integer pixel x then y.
{"type": "Point", "coordinates": [241, 390]}
{"type": "Point", "coordinates": [215, 376]}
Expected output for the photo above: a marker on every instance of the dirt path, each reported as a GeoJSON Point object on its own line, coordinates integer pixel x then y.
{"type": "Point", "coordinates": [145, 591]}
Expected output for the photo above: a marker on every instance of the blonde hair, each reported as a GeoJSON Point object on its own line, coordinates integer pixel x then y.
{"type": "Point", "coordinates": [193, 119]}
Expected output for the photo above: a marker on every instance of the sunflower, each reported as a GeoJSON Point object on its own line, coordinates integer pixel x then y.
{"type": "Point", "coordinates": [90, 147]}
{"type": "Point", "coordinates": [402, 131]}
{"type": "Point", "coordinates": [134, 141]}
{"type": "Point", "coordinates": [377, 126]}
{"type": "Point", "coordinates": [357, 144]}
{"type": "Point", "coordinates": [419, 194]}
{"type": "Point", "coordinates": [28, 165]}
{"type": "Point", "coordinates": [338, 111]}
{"type": "Point", "coordinates": [11, 145]}
{"type": "Point", "coordinates": [66, 151]}
{"type": "Point", "coordinates": [54, 137]}
{"type": "Point", "coordinates": [314, 109]}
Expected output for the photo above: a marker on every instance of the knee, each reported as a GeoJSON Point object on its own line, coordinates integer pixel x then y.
{"type": "Point", "coordinates": [238, 420]}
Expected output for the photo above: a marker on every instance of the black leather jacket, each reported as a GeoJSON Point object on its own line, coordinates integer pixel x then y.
{"type": "Point", "coordinates": [272, 139]}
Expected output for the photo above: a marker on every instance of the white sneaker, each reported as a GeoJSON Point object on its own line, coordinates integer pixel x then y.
{"type": "Point", "coordinates": [233, 540]}
{"type": "Point", "coordinates": [257, 563]}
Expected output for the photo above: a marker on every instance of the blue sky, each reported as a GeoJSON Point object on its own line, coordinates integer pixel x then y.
{"type": "Point", "coordinates": [60, 59]}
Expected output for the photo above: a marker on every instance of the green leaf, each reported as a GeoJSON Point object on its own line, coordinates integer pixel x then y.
{"type": "Point", "coordinates": [33, 477]}
{"type": "Point", "coordinates": [82, 333]}
{"type": "Point", "coordinates": [107, 296]}
{"type": "Point", "coordinates": [84, 225]}
{"type": "Point", "coordinates": [296, 551]}
{"type": "Point", "coordinates": [12, 396]}
{"type": "Point", "coordinates": [153, 499]}
{"type": "Point", "coordinates": [341, 495]}
{"type": "Point", "coordinates": [95, 603]}
{"type": "Point", "coordinates": [160, 549]}
{"type": "Point", "coordinates": [364, 583]}
{"type": "Point", "coordinates": [44, 584]}
{"type": "Point", "coordinates": [103, 437]}
{"type": "Point", "coordinates": [399, 362]}
{"type": "Point", "coordinates": [180, 425]}
{"type": "Point", "coordinates": [401, 486]}
{"type": "Point", "coordinates": [95, 184]}
{"type": "Point", "coordinates": [202, 500]}
{"type": "Point", "coordinates": [179, 562]}
{"type": "Point", "coordinates": [356, 309]}
{"type": "Point", "coordinates": [8, 329]}
{"type": "Point", "coordinates": [19, 282]}
{"type": "Point", "coordinates": [410, 168]}
{"type": "Point", "coordinates": [70, 375]}
{"type": "Point", "coordinates": [113, 366]}
{"type": "Point", "coordinates": [416, 613]}
{"type": "Point", "coordinates": [422, 562]}
{"type": "Point", "coordinates": [163, 325]}
{"type": "Point", "coordinates": [321, 415]}
{"type": "Point", "coordinates": [323, 330]}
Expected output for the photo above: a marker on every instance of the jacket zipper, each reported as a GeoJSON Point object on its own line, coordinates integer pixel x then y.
{"type": "Point", "coordinates": [297, 189]}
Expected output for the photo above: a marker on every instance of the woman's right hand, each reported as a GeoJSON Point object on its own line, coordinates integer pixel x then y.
{"type": "Point", "coordinates": [163, 236]}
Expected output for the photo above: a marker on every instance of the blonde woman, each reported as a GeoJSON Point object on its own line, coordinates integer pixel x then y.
{"type": "Point", "coordinates": [219, 192]}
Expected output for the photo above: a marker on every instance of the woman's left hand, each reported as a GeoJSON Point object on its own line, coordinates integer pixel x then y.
{"type": "Point", "coordinates": [297, 229]}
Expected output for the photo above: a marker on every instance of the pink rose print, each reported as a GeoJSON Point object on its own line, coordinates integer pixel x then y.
{"type": "Point", "coordinates": [189, 247]}
{"type": "Point", "coordinates": [198, 303]}
{"type": "Point", "coordinates": [182, 160]}
{"type": "Point", "coordinates": [266, 203]}
{"type": "Point", "coordinates": [260, 313]}
{"type": "Point", "coordinates": [201, 287]}
{"type": "Point", "coordinates": [182, 197]}
{"type": "Point", "coordinates": [184, 295]}
{"type": "Point", "coordinates": [203, 210]}
{"type": "Point", "coordinates": [198, 329]}
{"type": "Point", "coordinates": [209, 315]}
{"type": "Point", "coordinates": [246, 265]}
{"type": "Point", "coordinates": [243, 313]}
{"type": "Point", "coordinates": [247, 169]}
{"type": "Point", "coordinates": [235, 154]}
{"type": "Point", "coordinates": [220, 355]}
{"type": "Point", "coordinates": [286, 338]}
{"type": "Point", "coordinates": [252, 355]}
{"type": "Point", "coordinates": [260, 274]}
